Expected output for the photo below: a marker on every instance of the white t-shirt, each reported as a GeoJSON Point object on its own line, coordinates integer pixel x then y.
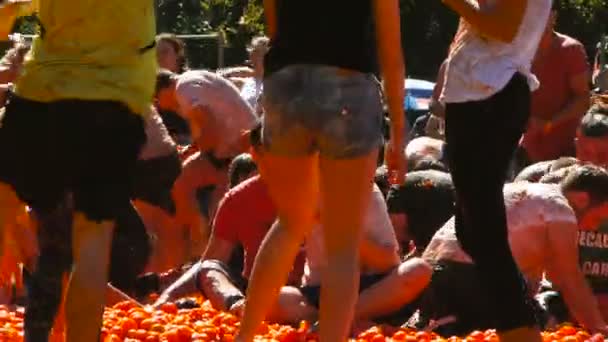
{"type": "Point", "coordinates": [377, 228]}
{"type": "Point", "coordinates": [232, 112]}
{"type": "Point", "coordinates": [479, 68]}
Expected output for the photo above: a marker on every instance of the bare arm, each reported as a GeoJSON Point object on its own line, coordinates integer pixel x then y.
{"type": "Point", "coordinates": [114, 296]}
{"type": "Point", "coordinates": [500, 20]}
{"type": "Point", "coordinates": [241, 72]}
{"type": "Point", "coordinates": [390, 55]}
{"type": "Point", "coordinates": [270, 10]}
{"type": "Point", "coordinates": [579, 102]}
{"type": "Point", "coordinates": [564, 271]}
{"type": "Point", "coordinates": [218, 249]}
{"type": "Point", "coordinates": [435, 106]}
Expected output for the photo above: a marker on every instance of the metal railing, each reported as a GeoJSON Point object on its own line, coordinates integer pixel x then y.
{"type": "Point", "coordinates": [219, 38]}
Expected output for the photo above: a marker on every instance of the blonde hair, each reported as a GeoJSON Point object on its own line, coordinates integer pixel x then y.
{"type": "Point", "coordinates": [259, 42]}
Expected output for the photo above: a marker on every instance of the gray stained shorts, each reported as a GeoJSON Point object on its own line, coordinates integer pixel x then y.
{"type": "Point", "coordinates": [320, 109]}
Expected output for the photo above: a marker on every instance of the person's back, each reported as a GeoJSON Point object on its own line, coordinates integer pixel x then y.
{"type": "Point", "coordinates": [340, 36]}
{"type": "Point", "coordinates": [532, 209]}
{"type": "Point", "coordinates": [106, 56]}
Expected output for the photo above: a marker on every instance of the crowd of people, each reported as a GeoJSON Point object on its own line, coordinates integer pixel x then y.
{"type": "Point", "coordinates": [207, 190]}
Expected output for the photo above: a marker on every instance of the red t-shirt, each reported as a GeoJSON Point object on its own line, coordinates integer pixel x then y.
{"type": "Point", "coordinates": [244, 216]}
{"type": "Point", "coordinates": [566, 59]}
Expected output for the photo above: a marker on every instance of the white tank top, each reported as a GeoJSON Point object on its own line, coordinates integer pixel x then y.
{"type": "Point", "coordinates": [479, 68]}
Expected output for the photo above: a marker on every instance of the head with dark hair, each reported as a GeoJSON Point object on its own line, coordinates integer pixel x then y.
{"type": "Point", "coordinates": [429, 164]}
{"type": "Point", "coordinates": [421, 205]}
{"type": "Point", "coordinates": [171, 53]}
{"type": "Point", "coordinates": [165, 90]}
{"type": "Point", "coordinates": [241, 168]}
{"type": "Point", "coordinates": [382, 180]}
{"type": "Point", "coordinates": [592, 136]}
{"type": "Point", "coordinates": [586, 187]}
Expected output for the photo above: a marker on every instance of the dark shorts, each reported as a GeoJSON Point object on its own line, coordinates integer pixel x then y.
{"type": "Point", "coordinates": [321, 109]}
{"type": "Point", "coordinates": [456, 295]}
{"type": "Point", "coordinates": [131, 249]}
{"type": "Point", "coordinates": [82, 150]}
{"type": "Point", "coordinates": [154, 179]}
{"type": "Point", "coordinates": [313, 295]}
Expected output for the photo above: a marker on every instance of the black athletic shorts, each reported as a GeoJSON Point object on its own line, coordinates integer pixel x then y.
{"type": "Point", "coordinates": [84, 149]}
{"type": "Point", "coordinates": [154, 179]}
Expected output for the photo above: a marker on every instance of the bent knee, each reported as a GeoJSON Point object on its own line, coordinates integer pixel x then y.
{"type": "Point", "coordinates": [415, 273]}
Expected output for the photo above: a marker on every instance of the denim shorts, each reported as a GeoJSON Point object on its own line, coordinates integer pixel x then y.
{"type": "Point", "coordinates": [322, 109]}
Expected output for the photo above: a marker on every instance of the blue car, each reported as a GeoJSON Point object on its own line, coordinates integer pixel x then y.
{"type": "Point", "coordinates": [418, 95]}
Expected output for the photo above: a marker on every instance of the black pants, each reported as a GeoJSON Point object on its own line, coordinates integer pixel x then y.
{"type": "Point", "coordinates": [154, 179]}
{"type": "Point", "coordinates": [481, 140]}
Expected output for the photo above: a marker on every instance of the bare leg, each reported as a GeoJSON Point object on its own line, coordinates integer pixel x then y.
{"type": "Point", "coordinates": [86, 293]}
{"type": "Point", "coordinates": [292, 308]}
{"type": "Point", "coordinates": [397, 289]}
{"type": "Point", "coordinates": [346, 187]}
{"type": "Point", "coordinates": [295, 201]}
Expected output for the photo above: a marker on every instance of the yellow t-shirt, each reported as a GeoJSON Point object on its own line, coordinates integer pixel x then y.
{"type": "Point", "coordinates": [89, 50]}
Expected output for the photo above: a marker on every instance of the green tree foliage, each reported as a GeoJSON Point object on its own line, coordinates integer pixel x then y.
{"type": "Point", "coordinates": [427, 26]}
{"type": "Point", "coordinates": [235, 20]}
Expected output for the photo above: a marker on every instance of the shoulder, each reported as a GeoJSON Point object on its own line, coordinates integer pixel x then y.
{"type": "Point", "coordinates": [251, 187]}
{"type": "Point", "coordinates": [571, 47]}
{"type": "Point", "coordinates": [566, 41]}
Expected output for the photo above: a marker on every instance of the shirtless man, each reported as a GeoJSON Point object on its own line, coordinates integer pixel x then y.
{"type": "Point", "coordinates": [218, 117]}
{"type": "Point", "coordinates": [542, 223]}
